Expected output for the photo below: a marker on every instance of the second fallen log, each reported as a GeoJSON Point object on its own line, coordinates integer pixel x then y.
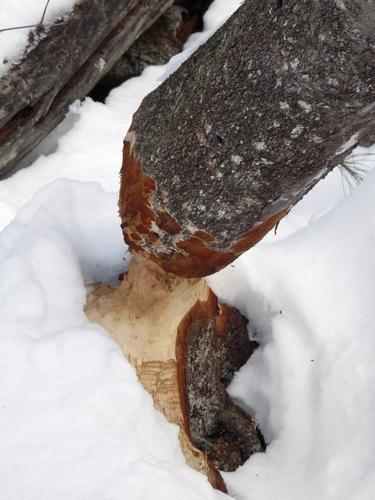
{"type": "Point", "coordinates": [64, 64]}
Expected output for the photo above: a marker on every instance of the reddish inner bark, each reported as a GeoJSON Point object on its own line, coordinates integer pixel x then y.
{"type": "Point", "coordinates": [191, 256]}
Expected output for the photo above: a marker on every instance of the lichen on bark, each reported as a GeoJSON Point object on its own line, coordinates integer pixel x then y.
{"type": "Point", "coordinates": [253, 120]}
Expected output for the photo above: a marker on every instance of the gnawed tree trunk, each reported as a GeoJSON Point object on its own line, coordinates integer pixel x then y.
{"type": "Point", "coordinates": [64, 64]}
{"type": "Point", "coordinates": [185, 347]}
{"type": "Point", "coordinates": [214, 158]}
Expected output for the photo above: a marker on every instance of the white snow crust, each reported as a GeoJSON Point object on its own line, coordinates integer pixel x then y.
{"type": "Point", "coordinates": [75, 423]}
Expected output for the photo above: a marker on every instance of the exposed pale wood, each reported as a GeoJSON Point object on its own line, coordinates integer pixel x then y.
{"type": "Point", "coordinates": [214, 158]}
{"type": "Point", "coordinates": [157, 319]}
{"type": "Point", "coordinates": [142, 315]}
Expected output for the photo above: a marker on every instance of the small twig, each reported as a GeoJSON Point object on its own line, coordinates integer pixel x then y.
{"type": "Point", "coordinates": [32, 26]}
{"type": "Point", "coordinates": [19, 27]}
{"type": "Point", "coordinates": [44, 12]}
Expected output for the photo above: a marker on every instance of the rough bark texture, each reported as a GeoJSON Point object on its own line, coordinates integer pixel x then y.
{"type": "Point", "coordinates": [215, 344]}
{"type": "Point", "coordinates": [222, 149]}
{"type": "Point", "coordinates": [370, 139]}
{"type": "Point", "coordinates": [185, 347]}
{"type": "Point", "coordinates": [156, 46]}
{"type": "Point", "coordinates": [63, 63]}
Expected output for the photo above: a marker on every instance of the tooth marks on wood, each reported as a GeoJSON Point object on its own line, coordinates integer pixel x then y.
{"type": "Point", "coordinates": [182, 342]}
{"type": "Point", "coordinates": [152, 231]}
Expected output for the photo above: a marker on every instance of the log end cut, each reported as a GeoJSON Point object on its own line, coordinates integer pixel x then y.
{"type": "Point", "coordinates": [178, 247]}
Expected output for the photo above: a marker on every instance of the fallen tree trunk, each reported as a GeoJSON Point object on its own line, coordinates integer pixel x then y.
{"type": "Point", "coordinates": [185, 347]}
{"type": "Point", "coordinates": [214, 158]}
{"type": "Point", "coordinates": [66, 63]}
{"type": "Point", "coordinates": [219, 153]}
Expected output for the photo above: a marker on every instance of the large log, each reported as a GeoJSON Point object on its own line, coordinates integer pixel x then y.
{"type": "Point", "coordinates": [219, 153]}
{"type": "Point", "coordinates": [65, 63]}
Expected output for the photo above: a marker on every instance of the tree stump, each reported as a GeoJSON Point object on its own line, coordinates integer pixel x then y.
{"type": "Point", "coordinates": [185, 347]}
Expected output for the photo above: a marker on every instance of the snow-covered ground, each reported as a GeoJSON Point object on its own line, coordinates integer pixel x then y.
{"type": "Point", "coordinates": [74, 422]}
{"type": "Point", "coordinates": [23, 13]}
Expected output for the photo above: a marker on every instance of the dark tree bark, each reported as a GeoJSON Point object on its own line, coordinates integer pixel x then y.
{"type": "Point", "coordinates": [67, 61]}
{"type": "Point", "coordinates": [156, 46]}
{"type": "Point", "coordinates": [219, 153]}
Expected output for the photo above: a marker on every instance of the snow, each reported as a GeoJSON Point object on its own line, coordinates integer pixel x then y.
{"type": "Point", "coordinates": [15, 13]}
{"type": "Point", "coordinates": [310, 297]}
{"type": "Point", "coordinates": [74, 422]}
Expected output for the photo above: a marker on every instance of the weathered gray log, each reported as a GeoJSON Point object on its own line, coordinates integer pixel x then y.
{"type": "Point", "coordinates": [156, 46]}
{"type": "Point", "coordinates": [220, 152]}
{"type": "Point", "coordinates": [64, 65]}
